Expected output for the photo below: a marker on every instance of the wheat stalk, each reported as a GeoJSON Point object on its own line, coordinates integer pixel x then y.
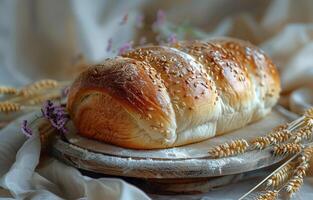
{"type": "Point", "coordinates": [278, 135]}
{"type": "Point", "coordinates": [7, 107]}
{"type": "Point", "coordinates": [268, 195]}
{"type": "Point", "coordinates": [306, 154]}
{"type": "Point", "coordinates": [294, 185]}
{"type": "Point", "coordinates": [281, 176]}
{"type": "Point", "coordinates": [38, 85]}
{"type": "Point", "coordinates": [304, 133]}
{"type": "Point", "coordinates": [287, 149]}
{"type": "Point", "coordinates": [7, 90]}
{"type": "Point", "coordinates": [229, 149]}
{"type": "Point", "coordinates": [309, 113]}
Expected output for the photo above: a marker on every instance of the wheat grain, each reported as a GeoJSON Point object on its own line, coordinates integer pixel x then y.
{"type": "Point", "coordinates": [287, 149]}
{"type": "Point", "coordinates": [7, 107]}
{"type": "Point", "coordinates": [7, 90]}
{"type": "Point", "coordinates": [268, 195]}
{"type": "Point", "coordinates": [294, 185]}
{"type": "Point", "coordinates": [229, 149]}
{"type": "Point", "coordinates": [261, 142]}
{"type": "Point", "coordinates": [38, 85]}
{"type": "Point", "coordinates": [281, 176]}
{"type": "Point", "coordinates": [277, 135]}
{"type": "Point", "coordinates": [309, 113]}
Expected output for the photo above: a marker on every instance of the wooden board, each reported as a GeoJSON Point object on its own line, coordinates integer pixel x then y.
{"type": "Point", "coordinates": [192, 163]}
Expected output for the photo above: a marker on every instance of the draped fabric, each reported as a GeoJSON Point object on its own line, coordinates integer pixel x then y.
{"type": "Point", "coordinates": [40, 39]}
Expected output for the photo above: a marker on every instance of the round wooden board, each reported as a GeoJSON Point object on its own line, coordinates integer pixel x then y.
{"type": "Point", "coordinates": [153, 165]}
{"type": "Point", "coordinates": [152, 168]}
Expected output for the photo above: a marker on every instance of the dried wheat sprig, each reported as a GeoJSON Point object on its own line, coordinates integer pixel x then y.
{"type": "Point", "coordinates": [7, 107]}
{"type": "Point", "coordinates": [7, 90]}
{"type": "Point", "coordinates": [261, 142]}
{"type": "Point", "coordinates": [304, 132]}
{"type": "Point", "coordinates": [278, 135]}
{"type": "Point", "coordinates": [306, 154]}
{"type": "Point", "coordinates": [229, 149]}
{"type": "Point", "coordinates": [287, 149]}
{"type": "Point", "coordinates": [294, 185]}
{"type": "Point", "coordinates": [268, 195]}
{"type": "Point", "coordinates": [266, 178]}
{"type": "Point", "coordinates": [38, 85]}
{"type": "Point", "coordinates": [309, 113]}
{"type": "Point", "coordinates": [303, 161]}
{"type": "Point", "coordinates": [281, 176]}
{"type": "Point", "coordinates": [41, 98]}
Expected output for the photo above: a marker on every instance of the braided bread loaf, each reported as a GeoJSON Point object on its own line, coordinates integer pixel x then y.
{"type": "Point", "coordinates": [165, 96]}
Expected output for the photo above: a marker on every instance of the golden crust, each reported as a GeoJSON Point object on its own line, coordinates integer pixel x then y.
{"type": "Point", "coordinates": [192, 91]}
{"type": "Point", "coordinates": [230, 76]}
{"type": "Point", "coordinates": [260, 67]}
{"type": "Point", "coordinates": [164, 96]}
{"type": "Point", "coordinates": [137, 89]}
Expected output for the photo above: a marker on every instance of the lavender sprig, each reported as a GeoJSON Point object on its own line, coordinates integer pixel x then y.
{"type": "Point", "coordinates": [56, 115]}
{"type": "Point", "coordinates": [172, 38]}
{"type": "Point", "coordinates": [26, 130]}
{"type": "Point", "coordinates": [125, 47]}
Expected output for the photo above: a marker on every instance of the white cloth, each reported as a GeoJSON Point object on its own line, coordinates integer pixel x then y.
{"type": "Point", "coordinates": [53, 179]}
{"type": "Point", "coordinates": [39, 38]}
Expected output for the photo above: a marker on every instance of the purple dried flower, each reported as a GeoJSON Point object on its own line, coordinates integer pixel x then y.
{"type": "Point", "coordinates": [172, 38]}
{"type": "Point", "coordinates": [109, 46]}
{"type": "Point", "coordinates": [124, 19]}
{"type": "Point", "coordinates": [125, 47]}
{"type": "Point", "coordinates": [142, 40]}
{"type": "Point", "coordinates": [26, 130]}
{"type": "Point", "coordinates": [56, 115]}
{"type": "Point", "coordinates": [139, 21]}
{"type": "Point", "coordinates": [160, 19]}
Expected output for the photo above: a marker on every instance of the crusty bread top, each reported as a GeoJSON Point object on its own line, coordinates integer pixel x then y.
{"type": "Point", "coordinates": [170, 89]}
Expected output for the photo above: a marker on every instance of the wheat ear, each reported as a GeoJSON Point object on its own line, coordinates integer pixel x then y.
{"type": "Point", "coordinates": [287, 149]}
{"type": "Point", "coordinates": [281, 176]}
{"type": "Point", "coordinates": [229, 149]}
{"type": "Point", "coordinates": [268, 195]}
{"type": "Point", "coordinates": [8, 107]}
{"type": "Point", "coordinates": [7, 90]}
{"type": "Point", "coordinates": [38, 85]}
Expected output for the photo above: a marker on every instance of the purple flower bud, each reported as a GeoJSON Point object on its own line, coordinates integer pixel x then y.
{"type": "Point", "coordinates": [56, 115]}
{"type": "Point", "coordinates": [172, 39]}
{"type": "Point", "coordinates": [124, 48]}
{"type": "Point", "coordinates": [26, 130]}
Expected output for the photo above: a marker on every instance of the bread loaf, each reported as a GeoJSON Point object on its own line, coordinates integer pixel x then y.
{"type": "Point", "coordinates": [165, 96]}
